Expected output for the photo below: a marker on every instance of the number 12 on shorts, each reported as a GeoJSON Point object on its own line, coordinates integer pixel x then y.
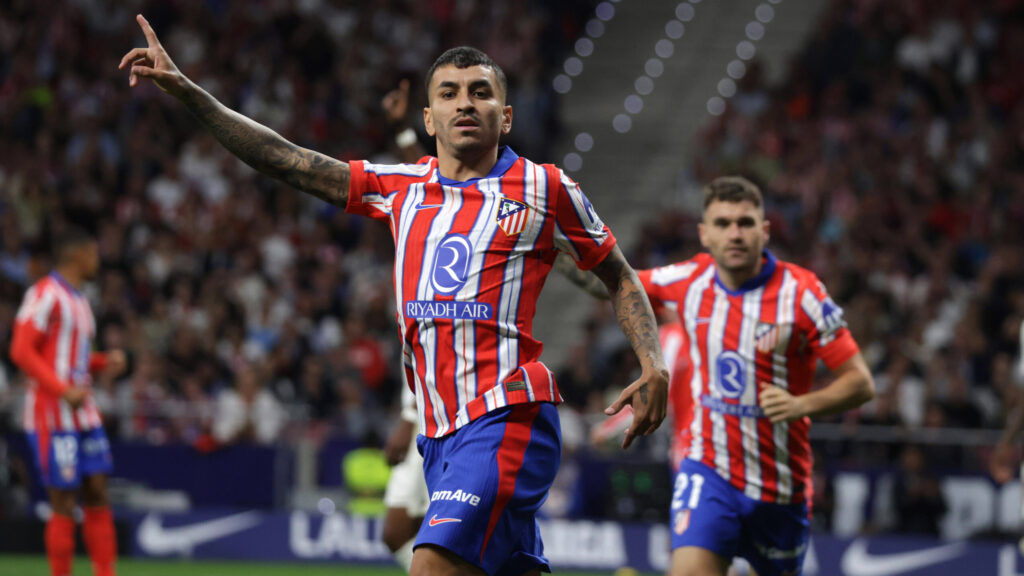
{"type": "Point", "coordinates": [683, 481]}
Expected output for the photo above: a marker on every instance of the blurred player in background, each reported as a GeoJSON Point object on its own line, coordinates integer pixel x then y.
{"type": "Point", "coordinates": [476, 232]}
{"type": "Point", "coordinates": [754, 328]}
{"type": "Point", "coordinates": [52, 345]}
{"type": "Point", "coordinates": [1006, 453]}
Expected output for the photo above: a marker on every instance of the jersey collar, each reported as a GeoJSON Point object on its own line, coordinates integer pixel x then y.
{"type": "Point", "coordinates": [767, 269]}
{"type": "Point", "coordinates": [506, 158]}
{"type": "Point", "coordinates": [63, 282]}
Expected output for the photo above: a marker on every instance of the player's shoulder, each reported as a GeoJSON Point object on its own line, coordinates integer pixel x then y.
{"type": "Point", "coordinates": [685, 271]}
{"type": "Point", "coordinates": [423, 168]}
{"type": "Point", "coordinates": [804, 277]}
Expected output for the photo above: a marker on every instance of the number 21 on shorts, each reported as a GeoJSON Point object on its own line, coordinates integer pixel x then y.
{"type": "Point", "coordinates": [694, 482]}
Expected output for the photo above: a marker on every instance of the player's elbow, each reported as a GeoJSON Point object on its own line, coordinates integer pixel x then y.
{"type": "Point", "coordinates": [865, 388]}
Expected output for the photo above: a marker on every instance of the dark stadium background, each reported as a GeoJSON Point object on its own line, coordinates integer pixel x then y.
{"type": "Point", "coordinates": [888, 137]}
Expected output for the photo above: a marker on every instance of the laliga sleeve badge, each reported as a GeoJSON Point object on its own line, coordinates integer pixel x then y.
{"type": "Point", "coordinates": [512, 216]}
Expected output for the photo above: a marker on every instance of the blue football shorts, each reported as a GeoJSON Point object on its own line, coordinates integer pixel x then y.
{"type": "Point", "coordinates": [708, 512]}
{"type": "Point", "coordinates": [64, 457]}
{"type": "Point", "coordinates": [487, 481]}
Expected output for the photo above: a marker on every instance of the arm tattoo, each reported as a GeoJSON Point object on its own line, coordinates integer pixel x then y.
{"type": "Point", "coordinates": [633, 309]}
{"type": "Point", "coordinates": [266, 151]}
{"type": "Point", "coordinates": [585, 280]}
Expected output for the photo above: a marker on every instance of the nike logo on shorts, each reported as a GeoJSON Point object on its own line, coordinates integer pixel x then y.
{"type": "Point", "coordinates": [434, 520]}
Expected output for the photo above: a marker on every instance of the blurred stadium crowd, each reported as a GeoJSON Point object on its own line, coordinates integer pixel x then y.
{"type": "Point", "coordinates": [892, 156]}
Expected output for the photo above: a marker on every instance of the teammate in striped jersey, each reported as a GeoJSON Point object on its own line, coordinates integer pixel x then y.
{"type": "Point", "coordinates": [754, 328]}
{"type": "Point", "coordinates": [476, 232]}
{"type": "Point", "coordinates": [52, 345]}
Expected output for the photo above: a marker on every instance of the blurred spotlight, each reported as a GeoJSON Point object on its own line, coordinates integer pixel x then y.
{"type": "Point", "coordinates": [584, 142]}
{"type": "Point", "coordinates": [584, 47]}
{"type": "Point", "coordinates": [634, 104]}
{"type": "Point", "coordinates": [562, 84]}
{"type": "Point", "coordinates": [685, 12]}
{"type": "Point", "coordinates": [765, 13]}
{"type": "Point", "coordinates": [726, 87]}
{"type": "Point", "coordinates": [622, 123]}
{"type": "Point", "coordinates": [605, 11]}
{"type": "Point", "coordinates": [716, 105]}
{"type": "Point", "coordinates": [573, 66]}
{"type": "Point", "coordinates": [755, 30]}
{"type": "Point", "coordinates": [644, 85]}
{"type": "Point", "coordinates": [674, 29]}
{"type": "Point", "coordinates": [572, 162]}
{"type": "Point", "coordinates": [736, 69]}
{"type": "Point", "coordinates": [654, 67]}
{"type": "Point", "coordinates": [595, 28]}
{"type": "Point", "coordinates": [664, 48]}
{"type": "Point", "coordinates": [745, 50]}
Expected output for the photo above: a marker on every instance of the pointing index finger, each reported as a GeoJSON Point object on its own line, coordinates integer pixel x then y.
{"type": "Point", "coordinates": [147, 30]}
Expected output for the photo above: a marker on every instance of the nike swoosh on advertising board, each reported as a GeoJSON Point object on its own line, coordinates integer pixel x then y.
{"type": "Point", "coordinates": [434, 520]}
{"type": "Point", "coordinates": [857, 561]}
{"type": "Point", "coordinates": [155, 539]}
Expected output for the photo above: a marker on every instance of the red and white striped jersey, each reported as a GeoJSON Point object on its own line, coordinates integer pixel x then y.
{"type": "Point", "coordinates": [770, 332]}
{"type": "Point", "coordinates": [470, 261]}
{"type": "Point", "coordinates": [52, 345]}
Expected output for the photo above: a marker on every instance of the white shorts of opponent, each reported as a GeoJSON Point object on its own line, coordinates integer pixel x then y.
{"type": "Point", "coordinates": [407, 487]}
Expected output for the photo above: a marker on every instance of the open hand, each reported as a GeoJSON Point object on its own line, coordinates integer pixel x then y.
{"type": "Point", "coordinates": [152, 62]}
{"type": "Point", "coordinates": [649, 398]}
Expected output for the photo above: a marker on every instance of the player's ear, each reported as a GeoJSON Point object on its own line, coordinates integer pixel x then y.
{"type": "Point", "coordinates": [428, 122]}
{"type": "Point", "coordinates": [506, 120]}
{"type": "Point", "coordinates": [767, 230]}
{"type": "Point", "coordinates": [701, 231]}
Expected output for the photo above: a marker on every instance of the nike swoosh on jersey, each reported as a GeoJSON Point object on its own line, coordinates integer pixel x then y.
{"type": "Point", "coordinates": [703, 320]}
{"type": "Point", "coordinates": [422, 206]}
{"type": "Point", "coordinates": [154, 539]}
{"type": "Point", "coordinates": [857, 561]}
{"type": "Point", "coordinates": [434, 520]}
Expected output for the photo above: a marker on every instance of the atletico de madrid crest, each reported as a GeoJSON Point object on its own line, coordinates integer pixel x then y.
{"type": "Point", "coordinates": [681, 522]}
{"type": "Point", "coordinates": [767, 336]}
{"type": "Point", "coordinates": [512, 216]}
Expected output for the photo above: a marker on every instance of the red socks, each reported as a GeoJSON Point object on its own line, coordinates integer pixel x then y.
{"type": "Point", "coordinates": [60, 544]}
{"type": "Point", "coordinates": [100, 540]}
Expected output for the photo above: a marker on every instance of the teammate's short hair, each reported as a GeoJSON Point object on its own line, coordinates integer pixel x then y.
{"type": "Point", "coordinates": [732, 189]}
{"type": "Point", "coordinates": [68, 239]}
{"type": "Point", "coordinates": [464, 57]}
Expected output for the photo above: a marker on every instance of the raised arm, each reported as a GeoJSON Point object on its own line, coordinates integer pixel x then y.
{"type": "Point", "coordinates": [253, 143]}
{"type": "Point", "coordinates": [649, 395]}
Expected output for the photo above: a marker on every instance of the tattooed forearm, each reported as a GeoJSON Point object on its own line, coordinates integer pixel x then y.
{"type": "Point", "coordinates": [585, 280]}
{"type": "Point", "coordinates": [632, 309]}
{"type": "Point", "coordinates": [266, 151]}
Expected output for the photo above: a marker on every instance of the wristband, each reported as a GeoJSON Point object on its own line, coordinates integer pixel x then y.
{"type": "Point", "coordinates": [405, 138]}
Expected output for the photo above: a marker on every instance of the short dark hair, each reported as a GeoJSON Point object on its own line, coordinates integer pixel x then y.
{"type": "Point", "coordinates": [68, 239]}
{"type": "Point", "coordinates": [464, 57]}
{"type": "Point", "coordinates": [732, 189]}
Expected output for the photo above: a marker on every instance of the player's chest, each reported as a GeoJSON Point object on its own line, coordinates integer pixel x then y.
{"type": "Point", "coordinates": [489, 217]}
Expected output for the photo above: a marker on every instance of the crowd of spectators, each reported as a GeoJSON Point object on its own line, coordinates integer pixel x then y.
{"type": "Point", "coordinates": [241, 301]}
{"type": "Point", "coordinates": [892, 156]}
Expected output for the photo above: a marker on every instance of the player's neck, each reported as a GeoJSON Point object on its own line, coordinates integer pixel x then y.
{"type": "Point", "coordinates": [733, 280]}
{"type": "Point", "coordinates": [70, 275]}
{"type": "Point", "coordinates": [466, 166]}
